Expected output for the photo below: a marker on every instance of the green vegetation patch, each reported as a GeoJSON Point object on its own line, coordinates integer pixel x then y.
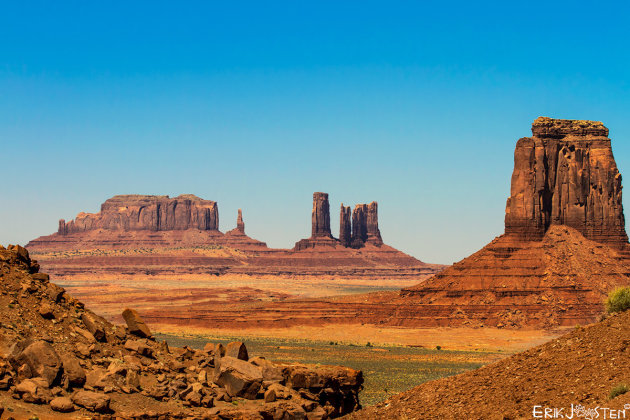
{"type": "Point", "coordinates": [387, 370]}
{"type": "Point", "coordinates": [618, 300]}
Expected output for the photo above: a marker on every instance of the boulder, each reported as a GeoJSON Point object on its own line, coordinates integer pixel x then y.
{"type": "Point", "coordinates": [54, 292]}
{"type": "Point", "coordinates": [72, 370]}
{"type": "Point", "coordinates": [94, 325]}
{"type": "Point", "coordinates": [46, 311]}
{"type": "Point", "coordinates": [139, 347]}
{"type": "Point", "coordinates": [34, 391]}
{"type": "Point", "coordinates": [271, 371]}
{"type": "Point", "coordinates": [92, 401]}
{"type": "Point", "coordinates": [238, 377]}
{"type": "Point", "coordinates": [135, 324]}
{"type": "Point", "coordinates": [62, 404]}
{"type": "Point", "coordinates": [43, 277]}
{"type": "Point", "coordinates": [41, 359]}
{"type": "Point", "coordinates": [237, 350]}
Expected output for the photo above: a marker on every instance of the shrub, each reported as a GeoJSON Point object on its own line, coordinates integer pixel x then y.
{"type": "Point", "coordinates": [618, 300]}
{"type": "Point", "coordinates": [438, 347]}
{"type": "Point", "coordinates": [618, 390]}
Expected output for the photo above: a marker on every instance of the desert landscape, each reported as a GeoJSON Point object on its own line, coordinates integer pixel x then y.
{"type": "Point", "coordinates": [314, 211]}
{"type": "Point", "coordinates": [393, 320]}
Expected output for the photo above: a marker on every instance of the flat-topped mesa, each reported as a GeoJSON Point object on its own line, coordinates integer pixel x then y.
{"type": "Point", "coordinates": [240, 225]}
{"type": "Point", "coordinates": [565, 174]}
{"type": "Point", "coordinates": [345, 226]}
{"type": "Point", "coordinates": [147, 212]}
{"type": "Point", "coordinates": [321, 216]}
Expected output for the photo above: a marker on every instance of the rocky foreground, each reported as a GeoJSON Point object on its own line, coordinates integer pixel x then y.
{"type": "Point", "coordinates": [579, 375]}
{"type": "Point", "coordinates": [59, 359]}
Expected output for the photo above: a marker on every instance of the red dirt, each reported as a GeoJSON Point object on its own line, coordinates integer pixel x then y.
{"type": "Point", "coordinates": [579, 368]}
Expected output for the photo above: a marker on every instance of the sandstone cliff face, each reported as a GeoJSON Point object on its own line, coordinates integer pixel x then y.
{"type": "Point", "coordinates": [565, 174]}
{"type": "Point", "coordinates": [359, 225]}
{"type": "Point", "coordinates": [147, 212]}
{"type": "Point", "coordinates": [345, 226]}
{"type": "Point", "coordinates": [373, 233]}
{"type": "Point", "coordinates": [320, 216]}
{"type": "Point", "coordinates": [355, 229]}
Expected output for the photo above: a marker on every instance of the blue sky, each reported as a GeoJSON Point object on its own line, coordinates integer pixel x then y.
{"type": "Point", "coordinates": [257, 105]}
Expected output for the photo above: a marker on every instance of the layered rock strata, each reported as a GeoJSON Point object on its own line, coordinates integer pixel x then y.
{"type": "Point", "coordinates": [147, 212]}
{"type": "Point", "coordinates": [565, 174]}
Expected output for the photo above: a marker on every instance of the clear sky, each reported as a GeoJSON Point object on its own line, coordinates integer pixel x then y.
{"type": "Point", "coordinates": [417, 105]}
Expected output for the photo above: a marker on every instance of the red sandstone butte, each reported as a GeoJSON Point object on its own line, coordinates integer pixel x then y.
{"type": "Point", "coordinates": [565, 174]}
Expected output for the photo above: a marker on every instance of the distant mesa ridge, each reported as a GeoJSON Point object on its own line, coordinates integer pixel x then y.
{"type": "Point", "coordinates": [147, 212]}
{"type": "Point", "coordinates": [565, 174]}
{"type": "Point", "coordinates": [356, 229]}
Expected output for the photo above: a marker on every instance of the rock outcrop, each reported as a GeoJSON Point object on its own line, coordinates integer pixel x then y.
{"type": "Point", "coordinates": [147, 212]}
{"type": "Point", "coordinates": [359, 225]}
{"type": "Point", "coordinates": [320, 225]}
{"type": "Point", "coordinates": [345, 226]}
{"type": "Point", "coordinates": [373, 233]}
{"type": "Point", "coordinates": [77, 362]}
{"type": "Point", "coordinates": [365, 225]}
{"type": "Point", "coordinates": [565, 245]}
{"type": "Point", "coordinates": [320, 216]}
{"type": "Point", "coordinates": [565, 174]}
{"type": "Point", "coordinates": [240, 225]}
{"type": "Point", "coordinates": [355, 230]}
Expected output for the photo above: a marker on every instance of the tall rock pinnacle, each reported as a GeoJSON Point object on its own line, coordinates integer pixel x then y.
{"type": "Point", "coordinates": [565, 174]}
{"type": "Point", "coordinates": [320, 216]}
{"type": "Point", "coordinates": [240, 225]}
{"type": "Point", "coordinates": [373, 233]}
{"type": "Point", "coordinates": [359, 225]}
{"type": "Point", "coordinates": [345, 226]}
